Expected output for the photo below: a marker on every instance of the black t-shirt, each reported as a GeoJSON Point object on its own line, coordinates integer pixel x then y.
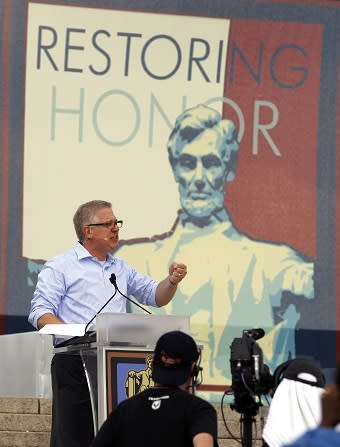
{"type": "Point", "coordinates": [158, 417]}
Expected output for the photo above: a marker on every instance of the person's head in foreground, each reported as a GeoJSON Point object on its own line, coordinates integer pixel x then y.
{"type": "Point", "coordinates": [174, 362]}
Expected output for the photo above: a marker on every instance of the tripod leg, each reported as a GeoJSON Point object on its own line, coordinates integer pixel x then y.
{"type": "Point", "coordinates": [246, 424]}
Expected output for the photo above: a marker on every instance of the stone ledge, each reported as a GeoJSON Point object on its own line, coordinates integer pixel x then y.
{"type": "Point", "coordinates": [23, 405]}
{"type": "Point", "coordinates": [19, 439]}
{"type": "Point", "coordinates": [25, 422]}
{"type": "Point", "coordinates": [45, 406]}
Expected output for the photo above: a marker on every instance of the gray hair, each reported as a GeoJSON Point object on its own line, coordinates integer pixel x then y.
{"type": "Point", "coordinates": [86, 214]}
{"type": "Point", "coordinates": [192, 122]}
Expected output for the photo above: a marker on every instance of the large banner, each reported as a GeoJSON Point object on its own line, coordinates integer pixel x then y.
{"type": "Point", "coordinates": [212, 132]}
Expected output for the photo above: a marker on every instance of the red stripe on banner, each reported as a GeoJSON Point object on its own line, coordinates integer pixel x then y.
{"type": "Point", "coordinates": [4, 161]}
{"type": "Point", "coordinates": [274, 68]}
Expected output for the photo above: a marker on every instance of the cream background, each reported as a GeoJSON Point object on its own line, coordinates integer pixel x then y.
{"type": "Point", "coordinates": [63, 172]}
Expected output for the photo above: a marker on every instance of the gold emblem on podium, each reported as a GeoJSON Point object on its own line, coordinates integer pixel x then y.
{"type": "Point", "coordinates": [138, 381]}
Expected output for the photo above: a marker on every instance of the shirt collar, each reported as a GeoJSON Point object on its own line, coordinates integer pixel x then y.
{"type": "Point", "coordinates": [83, 253]}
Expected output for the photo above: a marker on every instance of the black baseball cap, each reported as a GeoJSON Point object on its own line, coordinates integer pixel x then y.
{"type": "Point", "coordinates": [174, 354]}
{"type": "Point", "coordinates": [305, 371]}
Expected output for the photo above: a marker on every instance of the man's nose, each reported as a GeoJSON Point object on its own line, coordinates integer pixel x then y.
{"type": "Point", "coordinates": [199, 171]}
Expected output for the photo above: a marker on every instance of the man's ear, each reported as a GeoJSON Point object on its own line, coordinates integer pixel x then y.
{"type": "Point", "coordinates": [87, 232]}
{"type": "Point", "coordinates": [230, 177]}
{"type": "Point", "coordinates": [231, 167]}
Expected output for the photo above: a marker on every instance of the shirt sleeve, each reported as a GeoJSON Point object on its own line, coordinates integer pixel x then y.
{"type": "Point", "coordinates": [203, 419]}
{"type": "Point", "coordinates": [48, 293]}
{"type": "Point", "coordinates": [131, 282]}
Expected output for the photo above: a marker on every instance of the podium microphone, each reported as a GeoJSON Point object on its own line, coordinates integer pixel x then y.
{"type": "Point", "coordinates": [105, 304]}
{"type": "Point", "coordinates": [113, 281]}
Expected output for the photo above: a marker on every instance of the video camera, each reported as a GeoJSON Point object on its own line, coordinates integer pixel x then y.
{"type": "Point", "coordinates": [250, 376]}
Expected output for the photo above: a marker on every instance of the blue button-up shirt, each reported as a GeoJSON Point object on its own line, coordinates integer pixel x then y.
{"type": "Point", "coordinates": [75, 285]}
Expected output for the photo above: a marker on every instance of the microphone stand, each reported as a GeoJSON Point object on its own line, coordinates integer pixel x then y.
{"type": "Point", "coordinates": [105, 304]}
{"type": "Point", "coordinates": [114, 282]}
{"type": "Point", "coordinates": [87, 334]}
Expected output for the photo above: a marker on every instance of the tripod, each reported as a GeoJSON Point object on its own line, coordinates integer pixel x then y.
{"type": "Point", "coordinates": [247, 405]}
{"type": "Point", "coordinates": [247, 420]}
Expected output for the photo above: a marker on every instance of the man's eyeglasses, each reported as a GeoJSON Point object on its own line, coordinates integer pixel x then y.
{"type": "Point", "coordinates": [110, 224]}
